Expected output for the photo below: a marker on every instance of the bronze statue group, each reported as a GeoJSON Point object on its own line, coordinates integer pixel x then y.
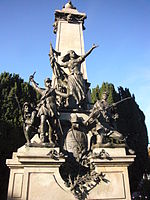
{"type": "Point", "coordinates": [68, 92]}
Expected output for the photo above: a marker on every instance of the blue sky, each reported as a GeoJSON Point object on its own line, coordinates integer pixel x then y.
{"type": "Point", "coordinates": [121, 28]}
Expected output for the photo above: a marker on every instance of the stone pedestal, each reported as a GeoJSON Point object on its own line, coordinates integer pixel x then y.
{"type": "Point", "coordinates": [115, 169]}
{"type": "Point", "coordinates": [35, 176]}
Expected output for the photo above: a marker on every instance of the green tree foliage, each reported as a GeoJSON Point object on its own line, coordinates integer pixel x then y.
{"type": "Point", "coordinates": [11, 133]}
{"type": "Point", "coordinates": [97, 92]}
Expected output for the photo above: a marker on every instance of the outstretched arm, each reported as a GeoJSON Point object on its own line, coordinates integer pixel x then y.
{"type": "Point", "coordinates": [93, 47]}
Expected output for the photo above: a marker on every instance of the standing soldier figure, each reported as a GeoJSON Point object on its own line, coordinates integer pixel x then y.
{"type": "Point", "coordinates": [47, 111]}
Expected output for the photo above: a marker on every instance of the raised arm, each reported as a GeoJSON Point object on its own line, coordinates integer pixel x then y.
{"type": "Point", "coordinates": [87, 53]}
{"type": "Point", "coordinates": [35, 85]}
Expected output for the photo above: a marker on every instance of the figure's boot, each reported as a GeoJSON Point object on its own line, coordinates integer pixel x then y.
{"type": "Point", "coordinates": [26, 133]}
{"type": "Point", "coordinates": [50, 136]}
{"type": "Point", "coordinates": [43, 128]}
{"type": "Point", "coordinates": [42, 138]}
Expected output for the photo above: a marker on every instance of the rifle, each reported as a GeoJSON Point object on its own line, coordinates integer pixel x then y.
{"type": "Point", "coordinates": [118, 102]}
{"type": "Point", "coordinates": [97, 112]}
{"type": "Point", "coordinates": [19, 107]}
{"type": "Point", "coordinates": [24, 129]}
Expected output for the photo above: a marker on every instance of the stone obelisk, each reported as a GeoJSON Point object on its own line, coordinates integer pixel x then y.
{"type": "Point", "coordinates": [69, 26]}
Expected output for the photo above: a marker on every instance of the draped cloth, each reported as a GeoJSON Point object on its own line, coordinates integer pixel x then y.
{"type": "Point", "coordinates": [76, 85]}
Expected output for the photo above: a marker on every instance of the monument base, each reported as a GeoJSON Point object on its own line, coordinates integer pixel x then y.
{"type": "Point", "coordinates": [115, 169]}
{"type": "Point", "coordinates": [35, 176]}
